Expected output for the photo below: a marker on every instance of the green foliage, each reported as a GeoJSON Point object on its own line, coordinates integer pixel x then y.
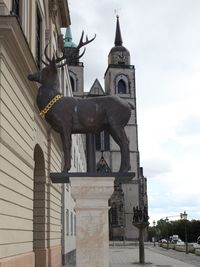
{"type": "Point", "coordinates": [165, 229]}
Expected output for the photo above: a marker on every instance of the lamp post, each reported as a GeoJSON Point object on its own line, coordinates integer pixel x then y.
{"type": "Point", "coordinates": [184, 218]}
{"type": "Point", "coordinates": [167, 220]}
{"type": "Point", "coordinates": [140, 220]}
{"type": "Point", "coordinates": [154, 224]}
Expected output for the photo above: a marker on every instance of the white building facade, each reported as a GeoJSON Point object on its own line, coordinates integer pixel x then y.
{"type": "Point", "coordinates": [30, 205]}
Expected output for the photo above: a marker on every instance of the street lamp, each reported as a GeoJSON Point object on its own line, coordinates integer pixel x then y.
{"type": "Point", "coordinates": [154, 224]}
{"type": "Point", "coordinates": [184, 218]}
{"type": "Point", "coordinates": [140, 220]}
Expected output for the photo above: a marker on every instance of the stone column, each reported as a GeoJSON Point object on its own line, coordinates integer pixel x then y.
{"type": "Point", "coordinates": [92, 240]}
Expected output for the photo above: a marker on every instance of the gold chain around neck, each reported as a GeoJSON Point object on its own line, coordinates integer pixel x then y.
{"type": "Point", "coordinates": [49, 105]}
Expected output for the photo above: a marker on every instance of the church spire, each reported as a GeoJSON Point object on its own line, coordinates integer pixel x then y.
{"type": "Point", "coordinates": [118, 37]}
{"type": "Point", "coordinates": [68, 38]}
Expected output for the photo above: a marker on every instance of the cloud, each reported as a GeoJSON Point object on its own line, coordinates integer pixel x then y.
{"type": "Point", "coordinates": [156, 167]}
{"type": "Point", "coordinates": [190, 126]}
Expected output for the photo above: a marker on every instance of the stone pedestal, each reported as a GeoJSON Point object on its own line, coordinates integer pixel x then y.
{"type": "Point", "coordinates": [92, 240]}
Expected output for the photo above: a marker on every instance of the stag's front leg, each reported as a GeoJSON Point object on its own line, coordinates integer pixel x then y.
{"type": "Point", "coordinates": [66, 142]}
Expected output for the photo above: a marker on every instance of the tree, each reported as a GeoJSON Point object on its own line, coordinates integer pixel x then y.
{"type": "Point", "coordinates": [167, 229]}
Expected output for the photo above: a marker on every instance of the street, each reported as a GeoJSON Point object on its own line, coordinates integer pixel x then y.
{"type": "Point", "coordinates": [154, 256]}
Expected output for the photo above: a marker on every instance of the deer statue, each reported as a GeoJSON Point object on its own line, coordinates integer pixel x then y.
{"type": "Point", "coordinates": [68, 115]}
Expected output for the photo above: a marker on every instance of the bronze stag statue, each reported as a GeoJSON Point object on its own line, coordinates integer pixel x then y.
{"type": "Point", "coordinates": [68, 115]}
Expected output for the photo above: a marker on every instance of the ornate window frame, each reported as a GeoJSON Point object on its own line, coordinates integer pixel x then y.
{"type": "Point", "coordinates": [125, 79]}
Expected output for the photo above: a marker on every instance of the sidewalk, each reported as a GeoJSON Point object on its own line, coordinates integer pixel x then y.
{"type": "Point", "coordinates": [128, 256]}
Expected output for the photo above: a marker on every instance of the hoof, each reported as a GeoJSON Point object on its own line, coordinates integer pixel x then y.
{"type": "Point", "coordinates": [66, 168]}
{"type": "Point", "coordinates": [125, 169]}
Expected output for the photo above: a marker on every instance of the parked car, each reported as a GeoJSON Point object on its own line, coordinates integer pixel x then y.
{"type": "Point", "coordinates": [179, 242]}
{"type": "Point", "coordinates": [163, 240]}
{"type": "Point", "coordinates": [198, 240]}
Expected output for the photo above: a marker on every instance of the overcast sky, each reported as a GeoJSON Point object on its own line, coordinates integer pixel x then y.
{"type": "Point", "coordinates": [163, 37]}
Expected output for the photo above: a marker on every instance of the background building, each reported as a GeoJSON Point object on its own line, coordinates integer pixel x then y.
{"type": "Point", "coordinates": [119, 80]}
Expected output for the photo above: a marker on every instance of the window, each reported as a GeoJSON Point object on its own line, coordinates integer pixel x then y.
{"type": "Point", "coordinates": [38, 37]}
{"type": "Point", "coordinates": [106, 141]}
{"type": "Point", "coordinates": [67, 222]}
{"type": "Point", "coordinates": [121, 86]}
{"type": "Point", "coordinates": [72, 83]}
{"type": "Point", "coordinates": [96, 91]}
{"type": "Point", "coordinates": [114, 215]}
{"type": "Point", "coordinates": [98, 141]}
{"type": "Point", "coordinates": [102, 140]}
{"type": "Point", "coordinates": [72, 223]}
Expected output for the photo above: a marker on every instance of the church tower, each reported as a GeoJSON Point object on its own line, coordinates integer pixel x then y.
{"type": "Point", "coordinates": [120, 80]}
{"type": "Point", "coordinates": [75, 67]}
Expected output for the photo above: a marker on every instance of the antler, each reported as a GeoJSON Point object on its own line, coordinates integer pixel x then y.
{"type": "Point", "coordinates": [45, 53]}
{"type": "Point", "coordinates": [58, 59]}
{"type": "Point", "coordinates": [81, 43]}
{"type": "Point", "coordinates": [74, 55]}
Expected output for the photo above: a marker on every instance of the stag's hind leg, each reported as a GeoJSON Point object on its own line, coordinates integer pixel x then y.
{"type": "Point", "coordinates": [120, 137]}
{"type": "Point", "coordinates": [66, 142]}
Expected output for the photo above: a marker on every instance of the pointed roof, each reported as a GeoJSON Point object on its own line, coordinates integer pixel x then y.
{"type": "Point", "coordinates": [68, 39]}
{"type": "Point", "coordinates": [102, 166]}
{"type": "Point", "coordinates": [118, 36]}
{"type": "Point", "coordinates": [96, 89]}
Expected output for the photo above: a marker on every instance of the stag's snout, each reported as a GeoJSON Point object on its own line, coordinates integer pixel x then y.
{"type": "Point", "coordinates": [34, 77]}
{"type": "Point", "coordinates": [30, 77]}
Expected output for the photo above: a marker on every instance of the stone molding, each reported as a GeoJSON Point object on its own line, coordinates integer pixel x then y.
{"type": "Point", "coordinates": [61, 6]}
{"type": "Point", "coordinates": [3, 8]}
{"type": "Point", "coordinates": [14, 43]}
{"type": "Point", "coordinates": [92, 188]}
{"type": "Point", "coordinates": [27, 260]}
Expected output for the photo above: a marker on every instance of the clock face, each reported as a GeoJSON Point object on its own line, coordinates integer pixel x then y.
{"type": "Point", "coordinates": [121, 56]}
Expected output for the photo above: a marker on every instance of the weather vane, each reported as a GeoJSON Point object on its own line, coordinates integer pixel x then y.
{"type": "Point", "coordinates": [116, 11]}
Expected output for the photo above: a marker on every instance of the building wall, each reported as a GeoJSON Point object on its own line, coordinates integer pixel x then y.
{"type": "Point", "coordinates": [30, 205]}
{"type": "Point", "coordinates": [76, 73]}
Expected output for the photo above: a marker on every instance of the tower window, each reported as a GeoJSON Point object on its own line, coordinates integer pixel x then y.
{"type": "Point", "coordinates": [102, 140]}
{"type": "Point", "coordinates": [72, 84]}
{"type": "Point", "coordinates": [98, 141]}
{"type": "Point", "coordinates": [106, 141]}
{"type": "Point", "coordinates": [114, 215]}
{"type": "Point", "coordinates": [121, 86]}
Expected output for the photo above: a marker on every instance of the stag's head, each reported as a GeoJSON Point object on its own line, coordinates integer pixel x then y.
{"type": "Point", "coordinates": [49, 73]}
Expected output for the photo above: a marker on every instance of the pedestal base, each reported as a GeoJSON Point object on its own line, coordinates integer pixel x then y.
{"type": "Point", "coordinates": [92, 242]}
